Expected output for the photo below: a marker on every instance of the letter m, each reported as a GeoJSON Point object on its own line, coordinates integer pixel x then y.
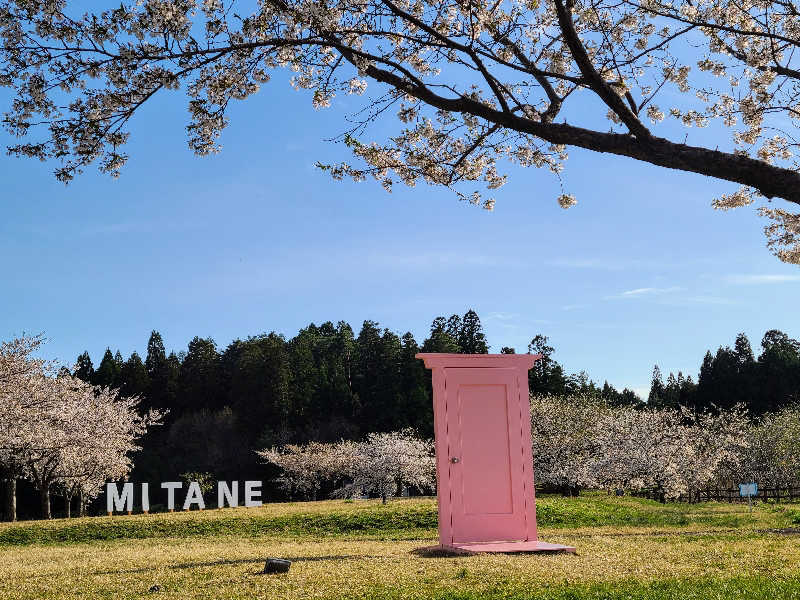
{"type": "Point", "coordinates": [117, 502]}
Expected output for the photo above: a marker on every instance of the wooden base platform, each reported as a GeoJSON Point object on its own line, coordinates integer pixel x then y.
{"type": "Point", "coordinates": [501, 547]}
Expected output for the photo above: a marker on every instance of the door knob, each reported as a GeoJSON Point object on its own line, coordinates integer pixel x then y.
{"type": "Point", "coordinates": [454, 459]}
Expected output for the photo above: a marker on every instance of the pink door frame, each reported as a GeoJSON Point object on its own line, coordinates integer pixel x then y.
{"type": "Point", "coordinates": [517, 366]}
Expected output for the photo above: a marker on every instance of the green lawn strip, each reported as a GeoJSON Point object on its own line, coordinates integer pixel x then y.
{"type": "Point", "coordinates": [410, 519]}
{"type": "Point", "coordinates": [595, 509]}
{"type": "Point", "coordinates": [755, 587]}
{"type": "Point", "coordinates": [386, 523]}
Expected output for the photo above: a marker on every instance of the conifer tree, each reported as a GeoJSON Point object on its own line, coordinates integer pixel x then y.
{"type": "Point", "coordinates": [199, 377]}
{"type": "Point", "coordinates": [108, 373]}
{"type": "Point", "coordinates": [471, 338]}
{"type": "Point", "coordinates": [84, 369]}
{"type": "Point", "coordinates": [416, 407]}
{"type": "Point", "coordinates": [656, 397]}
{"type": "Point", "coordinates": [156, 354]}
{"type": "Point", "coordinates": [547, 375]}
{"type": "Point", "coordinates": [778, 371]}
{"type": "Point", "coordinates": [135, 380]}
{"type": "Point", "coordinates": [441, 338]}
{"type": "Point", "coordinates": [158, 371]}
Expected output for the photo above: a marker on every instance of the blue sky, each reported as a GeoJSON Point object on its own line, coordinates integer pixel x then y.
{"type": "Point", "coordinates": [255, 239]}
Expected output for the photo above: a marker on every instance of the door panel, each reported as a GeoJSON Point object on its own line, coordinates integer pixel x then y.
{"type": "Point", "coordinates": [485, 461]}
{"type": "Point", "coordinates": [484, 433]}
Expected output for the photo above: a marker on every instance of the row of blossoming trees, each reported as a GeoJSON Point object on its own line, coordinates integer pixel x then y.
{"type": "Point", "coordinates": [584, 443]}
{"type": "Point", "coordinates": [59, 432]}
{"type": "Point", "coordinates": [578, 442]}
{"type": "Point", "coordinates": [382, 464]}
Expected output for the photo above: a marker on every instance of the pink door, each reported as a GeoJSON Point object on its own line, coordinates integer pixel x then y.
{"type": "Point", "coordinates": [485, 451]}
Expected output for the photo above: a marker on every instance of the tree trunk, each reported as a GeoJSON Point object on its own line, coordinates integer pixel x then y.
{"type": "Point", "coordinates": [10, 500]}
{"type": "Point", "coordinates": [81, 504]}
{"type": "Point", "coordinates": [44, 497]}
{"type": "Point", "coordinates": [68, 505]}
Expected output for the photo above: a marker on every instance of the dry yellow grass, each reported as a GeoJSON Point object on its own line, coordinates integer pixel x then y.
{"type": "Point", "coordinates": [717, 541]}
{"type": "Point", "coordinates": [229, 567]}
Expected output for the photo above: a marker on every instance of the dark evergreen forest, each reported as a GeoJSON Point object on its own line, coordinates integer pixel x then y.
{"type": "Point", "coordinates": [327, 383]}
{"type": "Point", "coordinates": [735, 376]}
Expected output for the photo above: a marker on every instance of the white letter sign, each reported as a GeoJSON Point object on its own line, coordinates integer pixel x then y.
{"type": "Point", "coordinates": [171, 486]}
{"type": "Point", "coordinates": [115, 502]}
{"type": "Point", "coordinates": [251, 493]}
{"type": "Point", "coordinates": [226, 496]}
{"type": "Point", "coordinates": [194, 496]}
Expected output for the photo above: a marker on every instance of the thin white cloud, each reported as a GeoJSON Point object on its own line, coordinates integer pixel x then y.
{"type": "Point", "coordinates": [574, 306]}
{"type": "Point", "coordinates": [626, 263]}
{"type": "Point", "coordinates": [761, 279]}
{"type": "Point", "coordinates": [583, 263]}
{"type": "Point", "coordinates": [600, 264]}
{"type": "Point", "coordinates": [513, 321]}
{"type": "Point", "coordinates": [645, 292]}
{"type": "Point", "coordinates": [437, 260]}
{"type": "Point", "coordinates": [640, 291]}
{"type": "Point", "coordinates": [713, 300]}
{"type": "Point", "coordinates": [502, 316]}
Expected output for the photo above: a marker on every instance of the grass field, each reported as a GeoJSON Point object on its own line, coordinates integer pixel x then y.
{"type": "Point", "coordinates": [627, 549]}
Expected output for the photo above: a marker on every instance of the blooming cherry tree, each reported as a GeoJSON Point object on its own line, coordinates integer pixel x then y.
{"type": "Point", "coordinates": [304, 468]}
{"type": "Point", "coordinates": [568, 440]}
{"type": "Point", "coordinates": [773, 457]}
{"type": "Point", "coordinates": [583, 443]}
{"type": "Point", "coordinates": [671, 451]}
{"type": "Point", "coordinates": [21, 376]}
{"type": "Point", "coordinates": [717, 445]}
{"type": "Point", "coordinates": [62, 430]}
{"type": "Point", "coordinates": [474, 85]}
{"type": "Point", "coordinates": [383, 464]}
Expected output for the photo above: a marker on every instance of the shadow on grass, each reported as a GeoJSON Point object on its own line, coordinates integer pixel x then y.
{"type": "Point", "coordinates": [439, 552]}
{"type": "Point", "coordinates": [436, 552]}
{"type": "Point", "coordinates": [240, 561]}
